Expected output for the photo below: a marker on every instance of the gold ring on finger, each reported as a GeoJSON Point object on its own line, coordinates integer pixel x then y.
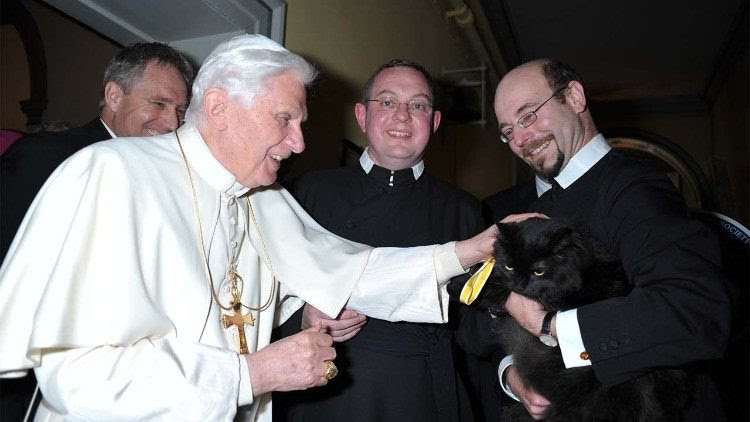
{"type": "Point", "coordinates": [331, 370]}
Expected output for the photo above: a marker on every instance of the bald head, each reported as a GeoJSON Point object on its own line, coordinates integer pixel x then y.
{"type": "Point", "coordinates": [541, 109]}
{"type": "Point", "coordinates": [527, 73]}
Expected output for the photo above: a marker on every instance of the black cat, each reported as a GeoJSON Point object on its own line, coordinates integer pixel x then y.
{"type": "Point", "coordinates": [562, 268]}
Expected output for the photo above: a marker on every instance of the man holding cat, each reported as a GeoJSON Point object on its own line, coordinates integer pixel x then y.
{"type": "Point", "coordinates": [678, 311]}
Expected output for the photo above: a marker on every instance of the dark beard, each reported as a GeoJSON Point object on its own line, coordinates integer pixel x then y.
{"type": "Point", "coordinates": [554, 171]}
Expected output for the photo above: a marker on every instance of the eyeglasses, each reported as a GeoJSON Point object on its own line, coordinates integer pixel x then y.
{"type": "Point", "coordinates": [506, 134]}
{"type": "Point", "coordinates": [415, 107]}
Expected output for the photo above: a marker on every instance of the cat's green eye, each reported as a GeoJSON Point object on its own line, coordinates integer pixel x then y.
{"type": "Point", "coordinates": [508, 268]}
{"type": "Point", "coordinates": [539, 273]}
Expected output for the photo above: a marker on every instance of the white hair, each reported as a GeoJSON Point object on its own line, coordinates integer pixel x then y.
{"type": "Point", "coordinates": [240, 66]}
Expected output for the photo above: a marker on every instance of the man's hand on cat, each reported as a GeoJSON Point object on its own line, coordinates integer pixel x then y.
{"type": "Point", "coordinates": [534, 403]}
{"type": "Point", "coordinates": [477, 249]}
{"type": "Point", "coordinates": [517, 218]}
{"type": "Point", "coordinates": [341, 328]}
{"type": "Point", "coordinates": [529, 314]}
{"type": "Point", "coordinates": [480, 247]}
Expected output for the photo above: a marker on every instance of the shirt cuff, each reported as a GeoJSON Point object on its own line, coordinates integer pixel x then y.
{"type": "Point", "coordinates": [447, 264]}
{"type": "Point", "coordinates": [569, 337]}
{"type": "Point", "coordinates": [246, 389]}
{"type": "Point", "coordinates": [504, 364]}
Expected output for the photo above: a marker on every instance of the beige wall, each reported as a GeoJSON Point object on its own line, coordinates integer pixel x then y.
{"type": "Point", "coordinates": [76, 58]}
{"type": "Point", "coordinates": [346, 40]}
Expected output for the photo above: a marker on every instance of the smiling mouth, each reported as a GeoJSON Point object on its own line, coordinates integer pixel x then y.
{"type": "Point", "coordinates": [538, 147]}
{"type": "Point", "coordinates": [277, 157]}
{"type": "Point", "coordinates": [399, 134]}
{"type": "Point", "coordinates": [152, 132]}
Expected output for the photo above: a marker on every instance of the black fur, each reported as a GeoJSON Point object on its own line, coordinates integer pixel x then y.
{"type": "Point", "coordinates": [562, 268]}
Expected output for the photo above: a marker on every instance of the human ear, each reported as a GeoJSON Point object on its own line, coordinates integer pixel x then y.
{"type": "Point", "coordinates": [436, 116]}
{"type": "Point", "coordinates": [113, 94]}
{"type": "Point", "coordinates": [216, 107]}
{"type": "Point", "coordinates": [577, 96]}
{"type": "Point", "coordinates": [360, 111]}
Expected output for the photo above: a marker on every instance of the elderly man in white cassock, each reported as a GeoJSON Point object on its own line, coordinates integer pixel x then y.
{"type": "Point", "coordinates": [146, 278]}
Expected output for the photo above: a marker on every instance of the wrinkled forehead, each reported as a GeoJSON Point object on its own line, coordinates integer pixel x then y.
{"type": "Point", "coordinates": [283, 92]}
{"type": "Point", "coordinates": [517, 91]}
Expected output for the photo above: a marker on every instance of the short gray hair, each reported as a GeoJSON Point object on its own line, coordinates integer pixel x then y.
{"type": "Point", "coordinates": [128, 65]}
{"type": "Point", "coordinates": [240, 66]}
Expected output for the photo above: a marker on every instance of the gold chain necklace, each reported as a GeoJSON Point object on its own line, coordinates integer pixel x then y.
{"type": "Point", "coordinates": [236, 283]}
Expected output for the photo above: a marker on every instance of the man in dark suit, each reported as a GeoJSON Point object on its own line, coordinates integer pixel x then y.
{"type": "Point", "coordinates": [144, 92]}
{"type": "Point", "coordinates": [677, 314]}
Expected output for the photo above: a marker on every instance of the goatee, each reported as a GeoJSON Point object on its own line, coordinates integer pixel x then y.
{"type": "Point", "coordinates": [553, 171]}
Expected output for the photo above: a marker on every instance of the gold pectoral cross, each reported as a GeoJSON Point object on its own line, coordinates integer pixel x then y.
{"type": "Point", "coordinates": [239, 320]}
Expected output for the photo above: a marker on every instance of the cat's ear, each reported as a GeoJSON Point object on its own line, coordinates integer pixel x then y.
{"type": "Point", "coordinates": [561, 235]}
{"type": "Point", "coordinates": [569, 243]}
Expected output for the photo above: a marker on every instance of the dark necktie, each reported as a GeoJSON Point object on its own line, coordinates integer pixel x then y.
{"type": "Point", "coordinates": [545, 202]}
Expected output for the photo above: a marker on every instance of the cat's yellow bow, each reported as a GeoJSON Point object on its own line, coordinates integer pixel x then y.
{"type": "Point", "coordinates": [475, 284]}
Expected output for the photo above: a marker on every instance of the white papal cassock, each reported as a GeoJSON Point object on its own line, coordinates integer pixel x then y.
{"type": "Point", "coordinates": [104, 290]}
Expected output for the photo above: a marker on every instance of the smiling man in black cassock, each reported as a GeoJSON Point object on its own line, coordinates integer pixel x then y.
{"type": "Point", "coordinates": [677, 314]}
{"type": "Point", "coordinates": [389, 371]}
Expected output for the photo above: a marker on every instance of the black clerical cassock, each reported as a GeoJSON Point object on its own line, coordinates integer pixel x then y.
{"type": "Point", "coordinates": [389, 371]}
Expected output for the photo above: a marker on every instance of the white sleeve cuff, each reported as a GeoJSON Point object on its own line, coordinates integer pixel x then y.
{"type": "Point", "coordinates": [569, 337]}
{"type": "Point", "coordinates": [246, 389]}
{"type": "Point", "coordinates": [447, 264]}
{"type": "Point", "coordinates": [504, 364]}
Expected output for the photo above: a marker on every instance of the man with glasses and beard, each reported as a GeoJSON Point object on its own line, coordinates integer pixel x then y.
{"type": "Point", "coordinates": [677, 314]}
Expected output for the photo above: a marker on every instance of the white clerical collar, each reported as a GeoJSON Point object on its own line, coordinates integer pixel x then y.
{"type": "Point", "coordinates": [111, 133]}
{"type": "Point", "coordinates": [366, 162]}
{"type": "Point", "coordinates": [581, 162]}
{"type": "Point", "coordinates": [205, 164]}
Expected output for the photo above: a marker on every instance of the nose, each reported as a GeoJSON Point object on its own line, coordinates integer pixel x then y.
{"type": "Point", "coordinates": [402, 114]}
{"type": "Point", "coordinates": [171, 120]}
{"type": "Point", "coordinates": [296, 140]}
{"type": "Point", "coordinates": [521, 136]}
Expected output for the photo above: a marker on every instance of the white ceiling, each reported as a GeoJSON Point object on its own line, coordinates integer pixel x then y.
{"type": "Point", "coordinates": [193, 26]}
